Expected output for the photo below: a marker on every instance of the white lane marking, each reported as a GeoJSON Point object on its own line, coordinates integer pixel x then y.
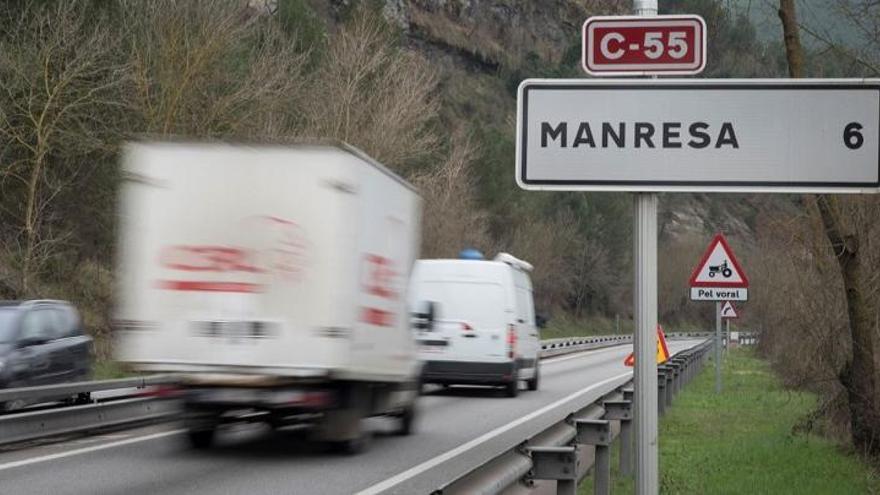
{"type": "Point", "coordinates": [430, 463]}
{"type": "Point", "coordinates": [86, 450]}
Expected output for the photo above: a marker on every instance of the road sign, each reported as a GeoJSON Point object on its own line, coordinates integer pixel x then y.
{"type": "Point", "coordinates": [662, 350]}
{"type": "Point", "coordinates": [634, 46]}
{"type": "Point", "coordinates": [719, 276]}
{"type": "Point", "coordinates": [725, 135]}
{"type": "Point", "coordinates": [728, 310]}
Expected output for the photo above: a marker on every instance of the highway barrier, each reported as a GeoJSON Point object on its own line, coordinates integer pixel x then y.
{"type": "Point", "coordinates": [553, 452]}
{"type": "Point", "coordinates": [128, 405]}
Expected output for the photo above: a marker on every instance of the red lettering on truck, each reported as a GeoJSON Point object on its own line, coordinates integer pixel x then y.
{"type": "Point", "coordinates": [377, 317]}
{"type": "Point", "coordinates": [209, 259]}
{"type": "Point", "coordinates": [379, 277]}
{"type": "Point", "coordinates": [205, 286]}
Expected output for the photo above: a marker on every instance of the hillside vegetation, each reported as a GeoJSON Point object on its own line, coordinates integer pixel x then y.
{"type": "Point", "coordinates": [428, 88]}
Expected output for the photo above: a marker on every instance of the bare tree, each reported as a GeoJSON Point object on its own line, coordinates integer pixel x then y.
{"type": "Point", "coordinates": [451, 217]}
{"type": "Point", "coordinates": [210, 69]}
{"type": "Point", "coordinates": [373, 94]}
{"type": "Point", "coordinates": [57, 74]}
{"type": "Point", "coordinates": [858, 375]}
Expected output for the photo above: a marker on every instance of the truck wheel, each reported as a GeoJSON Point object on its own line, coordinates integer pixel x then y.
{"type": "Point", "coordinates": [407, 419]}
{"type": "Point", "coordinates": [353, 446]}
{"type": "Point", "coordinates": [534, 381]}
{"type": "Point", "coordinates": [201, 439]}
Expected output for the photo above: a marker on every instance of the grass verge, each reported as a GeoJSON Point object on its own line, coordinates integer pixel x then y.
{"type": "Point", "coordinates": [563, 325]}
{"type": "Point", "coordinates": [108, 369]}
{"type": "Point", "coordinates": [741, 441]}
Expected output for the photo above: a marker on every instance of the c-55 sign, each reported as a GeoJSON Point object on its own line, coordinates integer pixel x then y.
{"type": "Point", "coordinates": [699, 135]}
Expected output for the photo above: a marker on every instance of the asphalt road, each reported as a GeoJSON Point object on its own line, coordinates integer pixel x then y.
{"type": "Point", "coordinates": [253, 460]}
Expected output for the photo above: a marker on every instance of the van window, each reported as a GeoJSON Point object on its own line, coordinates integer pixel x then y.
{"type": "Point", "coordinates": [524, 308]}
{"type": "Point", "coordinates": [479, 304]}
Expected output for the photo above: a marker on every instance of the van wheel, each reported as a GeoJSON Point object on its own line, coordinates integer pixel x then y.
{"type": "Point", "coordinates": [535, 380]}
{"type": "Point", "coordinates": [511, 388]}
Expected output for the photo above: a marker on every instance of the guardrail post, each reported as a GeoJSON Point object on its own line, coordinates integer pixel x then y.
{"type": "Point", "coordinates": [677, 369]}
{"type": "Point", "coordinates": [670, 374]}
{"type": "Point", "coordinates": [690, 363]}
{"type": "Point", "coordinates": [597, 432]}
{"type": "Point", "coordinates": [661, 390]}
{"type": "Point", "coordinates": [556, 463]}
{"type": "Point", "coordinates": [621, 410]}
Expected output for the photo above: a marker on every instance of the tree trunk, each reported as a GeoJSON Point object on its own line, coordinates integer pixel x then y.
{"type": "Point", "coordinates": [30, 224]}
{"type": "Point", "coordinates": [859, 374]}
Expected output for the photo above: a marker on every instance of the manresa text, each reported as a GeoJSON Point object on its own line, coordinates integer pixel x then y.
{"type": "Point", "coordinates": [664, 135]}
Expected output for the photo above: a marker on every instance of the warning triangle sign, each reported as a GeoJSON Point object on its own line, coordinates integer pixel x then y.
{"type": "Point", "coordinates": [719, 267]}
{"type": "Point", "coordinates": [662, 350]}
{"type": "Point", "coordinates": [728, 310]}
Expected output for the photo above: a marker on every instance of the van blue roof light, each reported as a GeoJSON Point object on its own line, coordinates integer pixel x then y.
{"type": "Point", "coordinates": [470, 254]}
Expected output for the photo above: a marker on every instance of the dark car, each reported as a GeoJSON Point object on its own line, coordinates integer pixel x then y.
{"type": "Point", "coordinates": [41, 343]}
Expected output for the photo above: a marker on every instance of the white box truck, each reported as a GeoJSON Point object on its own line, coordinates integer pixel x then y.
{"type": "Point", "coordinates": [272, 280]}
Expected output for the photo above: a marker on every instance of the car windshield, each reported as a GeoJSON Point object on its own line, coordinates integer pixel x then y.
{"type": "Point", "coordinates": [7, 324]}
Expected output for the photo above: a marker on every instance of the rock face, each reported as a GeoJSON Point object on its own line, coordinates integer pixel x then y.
{"type": "Point", "coordinates": [496, 31]}
{"type": "Point", "coordinates": [491, 32]}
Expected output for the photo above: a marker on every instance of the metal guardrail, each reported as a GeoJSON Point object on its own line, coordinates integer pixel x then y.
{"type": "Point", "coordinates": [20, 426]}
{"type": "Point", "coordinates": [555, 347]}
{"type": "Point", "coordinates": [573, 439]}
{"type": "Point", "coordinates": [549, 347]}
{"type": "Point", "coordinates": [75, 388]}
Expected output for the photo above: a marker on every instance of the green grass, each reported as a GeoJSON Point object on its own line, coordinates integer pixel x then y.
{"type": "Point", "coordinates": [108, 369]}
{"type": "Point", "coordinates": [563, 325]}
{"type": "Point", "coordinates": [742, 442]}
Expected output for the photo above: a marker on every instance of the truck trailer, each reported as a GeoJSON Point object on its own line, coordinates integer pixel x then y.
{"type": "Point", "coordinates": [271, 280]}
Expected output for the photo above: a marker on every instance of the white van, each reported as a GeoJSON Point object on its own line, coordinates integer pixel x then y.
{"type": "Point", "coordinates": [475, 322]}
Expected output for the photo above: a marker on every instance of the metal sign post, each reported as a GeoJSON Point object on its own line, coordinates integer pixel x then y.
{"type": "Point", "coordinates": [645, 315]}
{"type": "Point", "coordinates": [726, 333]}
{"type": "Point", "coordinates": [645, 343]}
{"type": "Point", "coordinates": [718, 347]}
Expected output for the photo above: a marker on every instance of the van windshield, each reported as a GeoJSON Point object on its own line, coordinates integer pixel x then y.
{"type": "Point", "coordinates": [480, 304]}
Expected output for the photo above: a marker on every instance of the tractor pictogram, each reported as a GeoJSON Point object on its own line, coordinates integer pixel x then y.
{"type": "Point", "coordinates": [723, 268]}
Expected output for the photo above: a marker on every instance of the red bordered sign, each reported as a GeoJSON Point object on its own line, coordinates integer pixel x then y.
{"type": "Point", "coordinates": [634, 46]}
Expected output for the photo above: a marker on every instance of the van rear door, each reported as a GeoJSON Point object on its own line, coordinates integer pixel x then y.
{"type": "Point", "coordinates": [470, 322]}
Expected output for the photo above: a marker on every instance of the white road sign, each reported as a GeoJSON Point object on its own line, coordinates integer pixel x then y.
{"type": "Point", "coordinates": [718, 294]}
{"type": "Point", "coordinates": [718, 276]}
{"type": "Point", "coordinates": [746, 135]}
{"type": "Point", "coordinates": [728, 310]}
{"type": "Point", "coordinates": [719, 269]}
